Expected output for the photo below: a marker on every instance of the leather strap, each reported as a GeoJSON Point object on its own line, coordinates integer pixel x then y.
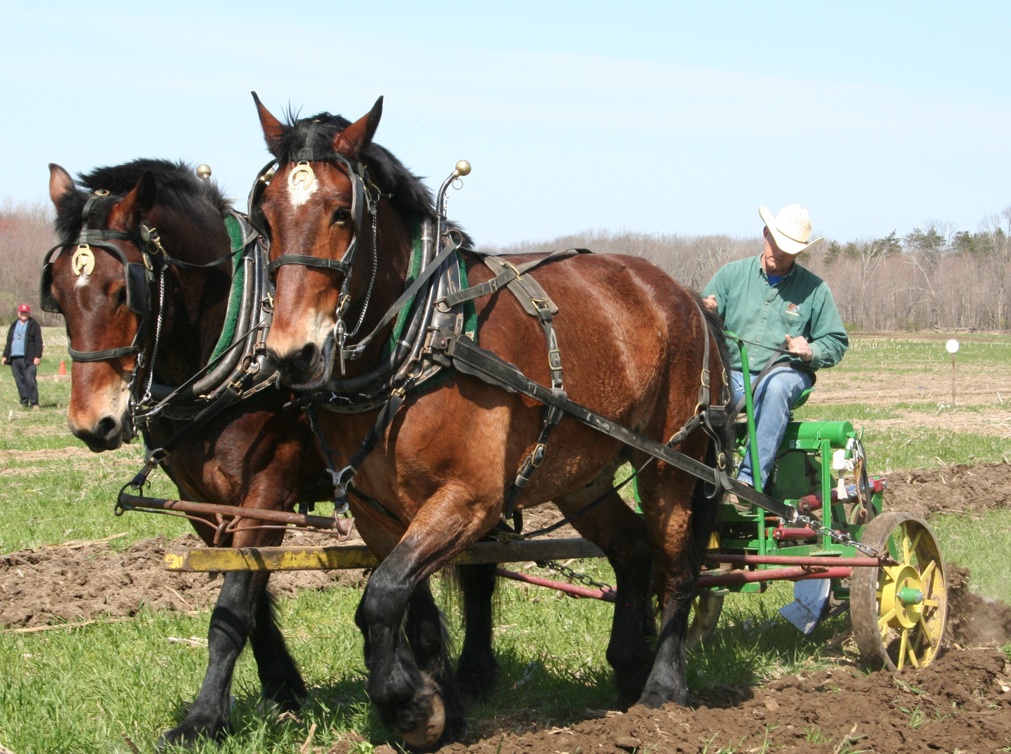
{"type": "Point", "coordinates": [469, 358]}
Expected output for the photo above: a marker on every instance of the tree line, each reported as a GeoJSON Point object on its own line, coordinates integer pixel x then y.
{"type": "Point", "coordinates": [932, 278]}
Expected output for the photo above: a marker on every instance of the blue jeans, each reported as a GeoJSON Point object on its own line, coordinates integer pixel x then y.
{"type": "Point", "coordinates": [24, 371]}
{"type": "Point", "coordinates": [775, 396]}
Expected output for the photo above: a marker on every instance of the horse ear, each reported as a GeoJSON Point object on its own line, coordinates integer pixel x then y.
{"type": "Point", "coordinates": [272, 128]}
{"type": "Point", "coordinates": [60, 183]}
{"type": "Point", "coordinates": [129, 212]}
{"type": "Point", "coordinates": [356, 137]}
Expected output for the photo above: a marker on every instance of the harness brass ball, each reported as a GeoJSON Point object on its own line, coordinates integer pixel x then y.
{"type": "Point", "coordinates": [463, 168]}
{"type": "Point", "coordinates": [204, 171]}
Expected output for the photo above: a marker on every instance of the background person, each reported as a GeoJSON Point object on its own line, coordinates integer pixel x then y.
{"type": "Point", "coordinates": [24, 352]}
{"type": "Point", "coordinates": [783, 312]}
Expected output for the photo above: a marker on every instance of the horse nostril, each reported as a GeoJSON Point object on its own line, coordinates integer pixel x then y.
{"type": "Point", "coordinates": [296, 365]}
{"type": "Point", "coordinates": [107, 428]}
{"type": "Point", "coordinates": [106, 434]}
{"type": "Point", "coordinates": [306, 358]}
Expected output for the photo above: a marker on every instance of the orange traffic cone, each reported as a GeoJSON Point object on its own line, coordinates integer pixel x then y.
{"type": "Point", "coordinates": [63, 368]}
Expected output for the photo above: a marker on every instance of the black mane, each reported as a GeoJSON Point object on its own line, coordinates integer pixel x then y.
{"type": "Point", "coordinates": [177, 184]}
{"type": "Point", "coordinates": [406, 190]}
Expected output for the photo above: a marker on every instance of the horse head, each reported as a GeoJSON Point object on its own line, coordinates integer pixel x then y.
{"type": "Point", "coordinates": [96, 278]}
{"type": "Point", "coordinates": [318, 211]}
{"type": "Point", "coordinates": [121, 292]}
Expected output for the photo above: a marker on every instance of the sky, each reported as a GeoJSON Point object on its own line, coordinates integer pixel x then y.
{"type": "Point", "coordinates": [577, 116]}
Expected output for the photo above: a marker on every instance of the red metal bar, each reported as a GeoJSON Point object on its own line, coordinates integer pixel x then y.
{"type": "Point", "coordinates": [784, 532]}
{"type": "Point", "coordinates": [733, 578]}
{"type": "Point", "coordinates": [561, 586]}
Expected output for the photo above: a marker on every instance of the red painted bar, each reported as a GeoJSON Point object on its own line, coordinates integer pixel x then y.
{"type": "Point", "coordinates": [570, 589]}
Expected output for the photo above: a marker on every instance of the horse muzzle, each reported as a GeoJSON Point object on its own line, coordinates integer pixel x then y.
{"type": "Point", "coordinates": [306, 368]}
{"type": "Point", "coordinates": [107, 433]}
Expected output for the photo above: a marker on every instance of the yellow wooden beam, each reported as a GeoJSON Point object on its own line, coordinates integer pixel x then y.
{"type": "Point", "coordinates": [338, 557]}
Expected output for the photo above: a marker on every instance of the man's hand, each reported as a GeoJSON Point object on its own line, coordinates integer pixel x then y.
{"type": "Point", "coordinates": [37, 361]}
{"type": "Point", "coordinates": [799, 347]}
{"type": "Point", "coordinates": [710, 303]}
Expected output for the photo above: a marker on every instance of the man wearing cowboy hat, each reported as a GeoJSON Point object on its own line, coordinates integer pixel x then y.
{"type": "Point", "coordinates": [24, 352]}
{"type": "Point", "coordinates": [787, 318]}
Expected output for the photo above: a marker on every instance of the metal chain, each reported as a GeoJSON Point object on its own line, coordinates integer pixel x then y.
{"type": "Point", "coordinates": [372, 281]}
{"type": "Point", "coordinates": [157, 337]}
{"type": "Point", "coordinates": [568, 573]}
{"type": "Point", "coordinates": [838, 536]}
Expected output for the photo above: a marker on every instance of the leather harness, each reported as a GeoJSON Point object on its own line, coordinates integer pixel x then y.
{"type": "Point", "coordinates": [435, 341]}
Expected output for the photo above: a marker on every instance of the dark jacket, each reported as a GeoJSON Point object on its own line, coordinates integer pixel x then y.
{"type": "Point", "coordinates": [33, 340]}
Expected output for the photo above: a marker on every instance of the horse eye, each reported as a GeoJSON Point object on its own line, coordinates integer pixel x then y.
{"type": "Point", "coordinates": [340, 216]}
{"type": "Point", "coordinates": [120, 296]}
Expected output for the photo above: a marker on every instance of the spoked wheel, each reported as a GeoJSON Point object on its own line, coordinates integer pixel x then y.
{"type": "Point", "coordinates": [706, 609]}
{"type": "Point", "coordinates": [899, 611]}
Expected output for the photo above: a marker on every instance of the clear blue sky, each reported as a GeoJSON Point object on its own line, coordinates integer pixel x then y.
{"type": "Point", "coordinates": [645, 116]}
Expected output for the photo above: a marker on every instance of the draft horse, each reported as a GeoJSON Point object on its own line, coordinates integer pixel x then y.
{"type": "Point", "coordinates": [439, 451]}
{"type": "Point", "coordinates": [142, 275]}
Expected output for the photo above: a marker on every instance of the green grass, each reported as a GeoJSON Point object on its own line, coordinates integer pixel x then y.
{"type": "Point", "coordinates": [983, 542]}
{"type": "Point", "coordinates": [114, 684]}
{"type": "Point", "coordinates": [897, 448]}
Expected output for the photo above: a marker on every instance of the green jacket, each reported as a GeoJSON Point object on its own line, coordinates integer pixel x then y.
{"type": "Point", "coordinates": [800, 304]}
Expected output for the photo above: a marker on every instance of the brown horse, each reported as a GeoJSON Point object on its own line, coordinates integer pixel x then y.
{"type": "Point", "coordinates": [436, 459]}
{"type": "Point", "coordinates": [105, 278]}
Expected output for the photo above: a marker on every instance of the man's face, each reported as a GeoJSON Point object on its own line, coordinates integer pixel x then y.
{"type": "Point", "coordinates": [22, 316]}
{"type": "Point", "coordinates": [774, 261]}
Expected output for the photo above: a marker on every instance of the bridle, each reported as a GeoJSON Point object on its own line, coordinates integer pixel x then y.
{"type": "Point", "coordinates": [363, 201]}
{"type": "Point", "coordinates": [139, 276]}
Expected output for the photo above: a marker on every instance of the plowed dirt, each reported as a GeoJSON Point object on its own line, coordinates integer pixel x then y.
{"type": "Point", "coordinates": [961, 703]}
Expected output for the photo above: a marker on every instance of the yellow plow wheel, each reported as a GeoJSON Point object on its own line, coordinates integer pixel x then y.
{"type": "Point", "coordinates": [899, 610]}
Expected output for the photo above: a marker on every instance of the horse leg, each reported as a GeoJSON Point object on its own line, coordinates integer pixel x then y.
{"type": "Point", "coordinates": [679, 516]}
{"type": "Point", "coordinates": [667, 681]}
{"type": "Point", "coordinates": [243, 611]}
{"type": "Point", "coordinates": [425, 631]}
{"type": "Point", "coordinates": [417, 702]}
{"type": "Point", "coordinates": [477, 668]}
{"type": "Point", "coordinates": [226, 636]}
{"type": "Point", "coordinates": [621, 534]}
{"type": "Point", "coordinates": [279, 675]}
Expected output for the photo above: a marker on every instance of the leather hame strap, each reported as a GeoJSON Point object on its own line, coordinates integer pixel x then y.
{"type": "Point", "coordinates": [507, 273]}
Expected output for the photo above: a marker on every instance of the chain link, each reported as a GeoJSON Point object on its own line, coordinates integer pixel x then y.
{"type": "Point", "coordinates": [569, 573]}
{"type": "Point", "coordinates": [838, 536]}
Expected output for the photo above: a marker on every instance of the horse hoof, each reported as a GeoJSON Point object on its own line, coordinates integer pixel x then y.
{"type": "Point", "coordinates": [188, 735]}
{"type": "Point", "coordinates": [655, 698]}
{"type": "Point", "coordinates": [428, 735]}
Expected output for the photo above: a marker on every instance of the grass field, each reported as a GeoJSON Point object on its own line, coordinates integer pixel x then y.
{"type": "Point", "coordinates": [114, 686]}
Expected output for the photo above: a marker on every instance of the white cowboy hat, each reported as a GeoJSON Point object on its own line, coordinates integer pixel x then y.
{"type": "Point", "coordinates": [790, 229]}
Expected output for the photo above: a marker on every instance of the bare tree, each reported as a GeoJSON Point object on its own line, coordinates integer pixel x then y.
{"type": "Point", "coordinates": [25, 236]}
{"type": "Point", "coordinates": [996, 230]}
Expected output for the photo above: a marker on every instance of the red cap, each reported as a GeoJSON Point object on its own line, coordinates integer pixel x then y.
{"type": "Point", "coordinates": [24, 308]}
